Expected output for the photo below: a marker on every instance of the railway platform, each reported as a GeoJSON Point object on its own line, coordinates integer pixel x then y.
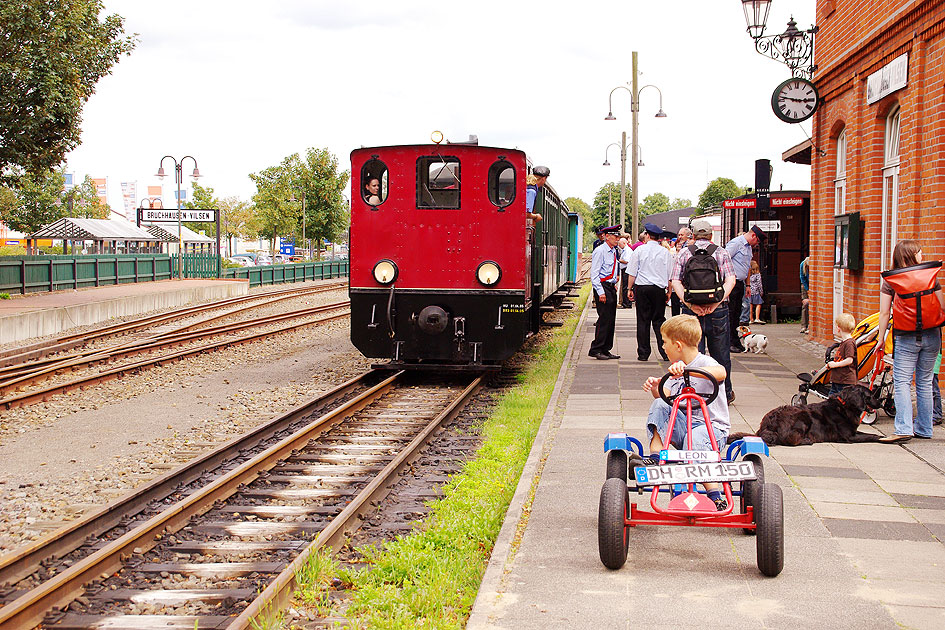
{"type": "Point", "coordinates": [41, 314]}
{"type": "Point", "coordinates": [864, 523]}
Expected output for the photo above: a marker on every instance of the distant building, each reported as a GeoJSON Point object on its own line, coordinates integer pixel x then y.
{"type": "Point", "coordinates": [878, 158]}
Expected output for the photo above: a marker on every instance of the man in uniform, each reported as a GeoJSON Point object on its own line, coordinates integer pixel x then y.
{"type": "Point", "coordinates": [605, 271]}
{"type": "Point", "coordinates": [740, 250]}
{"type": "Point", "coordinates": [648, 271]}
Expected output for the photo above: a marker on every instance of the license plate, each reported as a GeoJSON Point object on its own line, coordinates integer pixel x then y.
{"type": "Point", "coordinates": [690, 473]}
{"type": "Point", "coordinates": [670, 455]}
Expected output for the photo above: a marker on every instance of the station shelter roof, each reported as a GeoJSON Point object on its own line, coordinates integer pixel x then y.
{"type": "Point", "coordinates": [168, 232]}
{"type": "Point", "coordinates": [73, 229]}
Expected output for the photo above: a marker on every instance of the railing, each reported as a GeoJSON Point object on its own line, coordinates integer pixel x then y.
{"type": "Point", "coordinates": [197, 265]}
{"type": "Point", "coordinates": [295, 272]}
{"type": "Point", "coordinates": [33, 274]}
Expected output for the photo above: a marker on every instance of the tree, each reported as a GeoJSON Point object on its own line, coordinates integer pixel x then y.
{"type": "Point", "coordinates": [236, 220]}
{"type": "Point", "coordinates": [609, 195]}
{"type": "Point", "coordinates": [679, 203]}
{"type": "Point", "coordinates": [718, 190]}
{"type": "Point", "coordinates": [52, 54]}
{"type": "Point", "coordinates": [280, 191]}
{"type": "Point", "coordinates": [653, 203]}
{"type": "Point", "coordinates": [203, 199]}
{"type": "Point", "coordinates": [36, 201]}
{"type": "Point", "coordinates": [586, 213]}
{"type": "Point", "coordinates": [83, 201]}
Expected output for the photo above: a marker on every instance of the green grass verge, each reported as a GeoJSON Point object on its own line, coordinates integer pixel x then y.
{"type": "Point", "coordinates": [429, 578]}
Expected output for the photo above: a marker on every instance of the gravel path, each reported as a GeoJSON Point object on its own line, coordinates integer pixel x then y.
{"type": "Point", "coordinates": [86, 448]}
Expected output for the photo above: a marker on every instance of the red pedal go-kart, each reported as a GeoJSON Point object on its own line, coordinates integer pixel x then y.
{"type": "Point", "coordinates": [678, 475]}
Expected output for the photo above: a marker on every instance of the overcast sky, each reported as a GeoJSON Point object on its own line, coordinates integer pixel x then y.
{"type": "Point", "coordinates": [239, 85]}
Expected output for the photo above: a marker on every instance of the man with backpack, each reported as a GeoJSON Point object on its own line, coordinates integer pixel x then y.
{"type": "Point", "coordinates": [703, 277]}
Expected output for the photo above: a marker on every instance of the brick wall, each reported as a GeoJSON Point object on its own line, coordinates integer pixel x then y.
{"type": "Point", "coordinates": [857, 38]}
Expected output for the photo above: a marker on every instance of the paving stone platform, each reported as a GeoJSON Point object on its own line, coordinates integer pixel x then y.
{"type": "Point", "coordinates": [864, 523]}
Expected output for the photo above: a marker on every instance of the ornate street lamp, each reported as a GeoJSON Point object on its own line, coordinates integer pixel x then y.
{"type": "Point", "coordinates": [179, 177]}
{"type": "Point", "coordinates": [793, 47]}
{"type": "Point", "coordinates": [635, 160]}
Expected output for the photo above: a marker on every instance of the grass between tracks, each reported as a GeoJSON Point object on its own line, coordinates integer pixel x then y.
{"type": "Point", "coordinates": [429, 578]}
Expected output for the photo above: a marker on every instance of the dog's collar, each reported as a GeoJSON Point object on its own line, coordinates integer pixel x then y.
{"type": "Point", "coordinates": [842, 402]}
{"type": "Point", "coordinates": [746, 334]}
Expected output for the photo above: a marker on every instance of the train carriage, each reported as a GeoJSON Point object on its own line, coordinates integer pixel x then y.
{"type": "Point", "coordinates": [445, 269]}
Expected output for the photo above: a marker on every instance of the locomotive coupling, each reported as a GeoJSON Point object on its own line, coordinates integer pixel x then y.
{"type": "Point", "coordinates": [433, 320]}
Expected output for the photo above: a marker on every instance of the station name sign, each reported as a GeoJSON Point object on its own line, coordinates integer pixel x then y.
{"type": "Point", "coordinates": [891, 77]}
{"type": "Point", "coordinates": [776, 202]}
{"type": "Point", "coordinates": [158, 215]}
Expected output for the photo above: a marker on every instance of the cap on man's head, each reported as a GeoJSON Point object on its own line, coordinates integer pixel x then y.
{"type": "Point", "coordinates": [701, 228]}
{"type": "Point", "coordinates": [759, 233]}
{"type": "Point", "coordinates": [653, 229]}
{"type": "Point", "coordinates": [612, 229]}
{"type": "Point", "coordinates": [541, 171]}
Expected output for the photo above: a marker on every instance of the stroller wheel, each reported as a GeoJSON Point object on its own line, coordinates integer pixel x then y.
{"type": "Point", "coordinates": [798, 400]}
{"type": "Point", "coordinates": [869, 418]}
{"type": "Point", "coordinates": [889, 406]}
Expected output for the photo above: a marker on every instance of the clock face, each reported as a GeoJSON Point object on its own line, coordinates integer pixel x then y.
{"type": "Point", "coordinates": [795, 100]}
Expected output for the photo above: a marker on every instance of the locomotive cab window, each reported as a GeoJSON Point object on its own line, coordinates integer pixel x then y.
{"type": "Point", "coordinates": [501, 183]}
{"type": "Point", "coordinates": [374, 182]}
{"type": "Point", "coordinates": [438, 182]}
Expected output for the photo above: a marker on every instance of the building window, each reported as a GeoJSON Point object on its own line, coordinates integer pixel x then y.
{"type": "Point", "coordinates": [890, 216]}
{"type": "Point", "coordinates": [438, 182]}
{"type": "Point", "coordinates": [501, 183]}
{"type": "Point", "coordinates": [840, 180]}
{"type": "Point", "coordinates": [374, 182]}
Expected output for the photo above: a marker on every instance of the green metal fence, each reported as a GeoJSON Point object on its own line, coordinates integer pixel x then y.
{"type": "Point", "coordinates": [296, 272]}
{"type": "Point", "coordinates": [33, 274]}
{"type": "Point", "coordinates": [197, 265]}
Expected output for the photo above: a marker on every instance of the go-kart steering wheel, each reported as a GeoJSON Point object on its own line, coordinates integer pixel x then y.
{"type": "Point", "coordinates": [685, 376]}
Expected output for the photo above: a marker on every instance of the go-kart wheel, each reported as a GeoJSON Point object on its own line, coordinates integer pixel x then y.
{"type": "Point", "coordinates": [685, 376]}
{"type": "Point", "coordinates": [889, 406]}
{"type": "Point", "coordinates": [617, 465]}
{"type": "Point", "coordinates": [750, 487]}
{"type": "Point", "coordinates": [769, 517]}
{"type": "Point", "coordinates": [798, 400]}
{"type": "Point", "coordinates": [613, 537]}
{"type": "Point", "coordinates": [869, 418]}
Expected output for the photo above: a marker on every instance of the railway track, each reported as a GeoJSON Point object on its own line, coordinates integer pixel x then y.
{"type": "Point", "coordinates": [15, 378]}
{"type": "Point", "coordinates": [23, 355]}
{"type": "Point", "coordinates": [219, 554]}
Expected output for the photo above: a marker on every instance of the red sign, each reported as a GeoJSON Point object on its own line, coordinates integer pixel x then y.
{"type": "Point", "coordinates": [776, 202]}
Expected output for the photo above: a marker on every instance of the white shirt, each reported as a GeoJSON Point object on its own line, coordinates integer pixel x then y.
{"type": "Point", "coordinates": [651, 263]}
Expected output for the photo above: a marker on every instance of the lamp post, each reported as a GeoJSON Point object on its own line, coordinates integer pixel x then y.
{"type": "Point", "coordinates": [179, 177]}
{"type": "Point", "coordinates": [635, 125]}
{"type": "Point", "coordinates": [793, 47]}
{"type": "Point", "coordinates": [623, 177]}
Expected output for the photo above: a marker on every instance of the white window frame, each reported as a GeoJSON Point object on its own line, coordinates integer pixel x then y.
{"type": "Point", "coordinates": [890, 212]}
{"type": "Point", "coordinates": [840, 180]}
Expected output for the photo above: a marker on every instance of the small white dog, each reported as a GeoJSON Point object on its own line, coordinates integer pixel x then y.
{"type": "Point", "coordinates": [755, 342]}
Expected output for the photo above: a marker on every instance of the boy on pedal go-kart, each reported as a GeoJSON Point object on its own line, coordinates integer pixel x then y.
{"type": "Point", "coordinates": [681, 336]}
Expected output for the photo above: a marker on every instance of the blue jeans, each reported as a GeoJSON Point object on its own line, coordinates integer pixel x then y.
{"type": "Point", "coordinates": [715, 335]}
{"type": "Point", "coordinates": [914, 357]}
{"type": "Point", "coordinates": [657, 421]}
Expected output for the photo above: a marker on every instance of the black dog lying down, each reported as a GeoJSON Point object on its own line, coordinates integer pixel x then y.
{"type": "Point", "coordinates": [834, 420]}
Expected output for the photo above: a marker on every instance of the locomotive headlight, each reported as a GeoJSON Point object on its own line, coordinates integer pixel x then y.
{"type": "Point", "coordinates": [385, 271]}
{"type": "Point", "coordinates": [488, 273]}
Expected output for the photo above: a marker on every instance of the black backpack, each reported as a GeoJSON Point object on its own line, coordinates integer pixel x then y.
{"type": "Point", "coordinates": [701, 277]}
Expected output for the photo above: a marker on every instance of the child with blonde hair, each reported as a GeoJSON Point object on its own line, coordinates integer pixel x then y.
{"type": "Point", "coordinates": [843, 366]}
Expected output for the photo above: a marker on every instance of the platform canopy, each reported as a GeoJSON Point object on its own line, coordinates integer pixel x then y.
{"type": "Point", "coordinates": [799, 153]}
{"type": "Point", "coordinates": [73, 229]}
{"type": "Point", "coordinates": [168, 233]}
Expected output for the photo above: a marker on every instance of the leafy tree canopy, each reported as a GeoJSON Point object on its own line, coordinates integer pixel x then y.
{"type": "Point", "coordinates": [653, 203]}
{"type": "Point", "coordinates": [298, 190]}
{"type": "Point", "coordinates": [608, 196]}
{"type": "Point", "coordinates": [679, 203]}
{"type": "Point", "coordinates": [40, 199]}
{"type": "Point", "coordinates": [718, 190]}
{"type": "Point", "coordinates": [52, 53]}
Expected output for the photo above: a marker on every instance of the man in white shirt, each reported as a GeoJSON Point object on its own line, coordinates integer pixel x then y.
{"type": "Point", "coordinates": [649, 269]}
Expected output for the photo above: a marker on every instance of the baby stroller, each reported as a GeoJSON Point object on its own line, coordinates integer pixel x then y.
{"type": "Point", "coordinates": [864, 335]}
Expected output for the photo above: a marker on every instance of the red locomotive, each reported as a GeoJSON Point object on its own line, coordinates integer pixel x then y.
{"type": "Point", "coordinates": [445, 269]}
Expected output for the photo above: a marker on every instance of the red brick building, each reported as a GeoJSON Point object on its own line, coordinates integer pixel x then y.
{"type": "Point", "coordinates": [879, 146]}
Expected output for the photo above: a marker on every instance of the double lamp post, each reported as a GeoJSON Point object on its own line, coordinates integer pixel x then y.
{"type": "Point", "coordinates": [179, 177]}
{"type": "Point", "coordinates": [635, 162]}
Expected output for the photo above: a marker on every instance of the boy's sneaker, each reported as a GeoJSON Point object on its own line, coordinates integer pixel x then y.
{"type": "Point", "coordinates": [721, 504]}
